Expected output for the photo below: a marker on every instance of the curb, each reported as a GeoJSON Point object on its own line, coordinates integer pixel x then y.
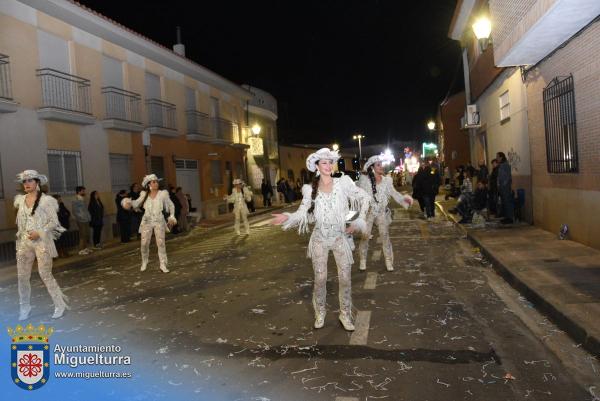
{"type": "Point", "coordinates": [570, 326]}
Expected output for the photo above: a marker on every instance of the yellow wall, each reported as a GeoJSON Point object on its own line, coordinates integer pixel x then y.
{"type": "Point", "coordinates": [88, 64]}
{"type": "Point", "coordinates": [54, 26]}
{"type": "Point", "coordinates": [63, 136]}
{"type": "Point", "coordinates": [119, 142]}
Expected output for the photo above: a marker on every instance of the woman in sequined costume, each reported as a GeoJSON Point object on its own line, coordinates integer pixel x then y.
{"type": "Point", "coordinates": [37, 228]}
{"type": "Point", "coordinates": [240, 195]}
{"type": "Point", "coordinates": [380, 188]}
{"type": "Point", "coordinates": [154, 202]}
{"type": "Point", "coordinates": [326, 204]}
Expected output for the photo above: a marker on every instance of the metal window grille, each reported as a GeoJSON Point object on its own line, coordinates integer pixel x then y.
{"type": "Point", "coordinates": [120, 172]}
{"type": "Point", "coordinates": [121, 104]}
{"type": "Point", "coordinates": [561, 127]}
{"type": "Point", "coordinates": [504, 102]}
{"type": "Point", "coordinates": [65, 91]}
{"type": "Point", "coordinates": [5, 82]}
{"type": "Point", "coordinates": [64, 170]}
{"type": "Point", "coordinates": [161, 114]}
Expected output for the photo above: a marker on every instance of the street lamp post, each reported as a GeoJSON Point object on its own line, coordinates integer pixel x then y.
{"type": "Point", "coordinates": [359, 137]}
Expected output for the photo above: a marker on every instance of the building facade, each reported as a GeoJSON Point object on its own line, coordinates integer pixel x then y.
{"type": "Point", "coordinates": [453, 140]}
{"type": "Point", "coordinates": [263, 154]}
{"type": "Point", "coordinates": [557, 46]}
{"type": "Point", "coordinates": [89, 102]}
{"type": "Point", "coordinates": [499, 97]}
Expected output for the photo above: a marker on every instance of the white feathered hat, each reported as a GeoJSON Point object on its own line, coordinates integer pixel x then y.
{"type": "Point", "coordinates": [31, 175]}
{"type": "Point", "coordinates": [148, 178]}
{"type": "Point", "coordinates": [237, 181]}
{"type": "Point", "coordinates": [321, 154]}
{"type": "Point", "coordinates": [372, 160]}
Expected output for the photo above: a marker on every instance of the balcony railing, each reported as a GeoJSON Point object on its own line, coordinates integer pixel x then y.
{"type": "Point", "coordinates": [198, 124]}
{"type": "Point", "coordinates": [222, 130]}
{"type": "Point", "coordinates": [122, 105]}
{"type": "Point", "coordinates": [161, 114]}
{"type": "Point", "coordinates": [65, 91]}
{"type": "Point", "coordinates": [5, 82]}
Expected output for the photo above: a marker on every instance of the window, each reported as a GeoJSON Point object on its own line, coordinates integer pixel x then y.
{"type": "Point", "coordinates": [157, 166]}
{"type": "Point", "coordinates": [64, 171]}
{"type": "Point", "coordinates": [215, 172]}
{"type": "Point", "coordinates": [120, 172]}
{"type": "Point", "coordinates": [152, 86]}
{"type": "Point", "coordinates": [504, 106]}
{"type": "Point", "coordinates": [560, 125]}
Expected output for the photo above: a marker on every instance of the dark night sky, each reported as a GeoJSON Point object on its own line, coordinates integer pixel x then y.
{"type": "Point", "coordinates": [335, 67]}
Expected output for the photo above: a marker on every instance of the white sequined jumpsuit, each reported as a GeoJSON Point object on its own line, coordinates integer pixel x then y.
{"type": "Point", "coordinates": [328, 234]}
{"type": "Point", "coordinates": [45, 222]}
{"type": "Point", "coordinates": [240, 209]}
{"type": "Point", "coordinates": [380, 214]}
{"type": "Point", "coordinates": [154, 220]}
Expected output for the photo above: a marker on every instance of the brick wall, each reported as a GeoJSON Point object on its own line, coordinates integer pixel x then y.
{"type": "Point", "coordinates": [455, 139]}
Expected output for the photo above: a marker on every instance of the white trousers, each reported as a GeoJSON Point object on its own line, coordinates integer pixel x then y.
{"type": "Point", "coordinates": [27, 252]}
{"type": "Point", "coordinates": [159, 232]}
{"type": "Point", "coordinates": [384, 234]}
{"type": "Point", "coordinates": [243, 215]}
{"type": "Point", "coordinates": [319, 255]}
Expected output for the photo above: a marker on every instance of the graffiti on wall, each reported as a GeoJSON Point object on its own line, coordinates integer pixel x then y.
{"type": "Point", "coordinates": [514, 160]}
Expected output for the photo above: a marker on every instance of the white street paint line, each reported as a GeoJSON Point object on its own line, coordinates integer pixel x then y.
{"type": "Point", "coordinates": [262, 222]}
{"type": "Point", "coordinates": [370, 281]}
{"type": "Point", "coordinates": [376, 255]}
{"type": "Point", "coordinates": [360, 335]}
{"type": "Point", "coordinates": [346, 399]}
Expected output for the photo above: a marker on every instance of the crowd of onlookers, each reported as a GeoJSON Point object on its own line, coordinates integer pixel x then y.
{"type": "Point", "coordinates": [88, 214]}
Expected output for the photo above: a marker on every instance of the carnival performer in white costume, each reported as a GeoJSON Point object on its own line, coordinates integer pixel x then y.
{"type": "Point", "coordinates": [153, 201]}
{"type": "Point", "coordinates": [380, 188]}
{"type": "Point", "coordinates": [326, 204]}
{"type": "Point", "coordinates": [37, 228]}
{"type": "Point", "coordinates": [239, 196]}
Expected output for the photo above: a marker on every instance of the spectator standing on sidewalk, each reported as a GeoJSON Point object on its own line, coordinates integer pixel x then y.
{"type": "Point", "coordinates": [182, 217]}
{"type": "Point", "coordinates": [96, 209]}
{"type": "Point", "coordinates": [505, 188]}
{"type": "Point", "coordinates": [267, 193]}
{"type": "Point", "coordinates": [83, 218]}
{"type": "Point", "coordinates": [123, 217]}
{"type": "Point", "coordinates": [493, 189]}
{"type": "Point", "coordinates": [173, 196]}
{"type": "Point", "coordinates": [64, 217]}
{"type": "Point", "coordinates": [482, 173]}
{"type": "Point", "coordinates": [136, 215]}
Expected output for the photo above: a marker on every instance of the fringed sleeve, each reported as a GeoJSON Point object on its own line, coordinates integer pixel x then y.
{"type": "Point", "coordinates": [51, 228]}
{"type": "Point", "coordinates": [169, 206]}
{"type": "Point", "coordinates": [403, 200]}
{"type": "Point", "coordinates": [18, 200]}
{"type": "Point", "coordinates": [359, 200]}
{"type": "Point", "coordinates": [137, 203]}
{"type": "Point", "coordinates": [300, 217]}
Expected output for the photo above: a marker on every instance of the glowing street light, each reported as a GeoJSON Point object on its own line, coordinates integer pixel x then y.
{"type": "Point", "coordinates": [359, 138]}
{"type": "Point", "coordinates": [431, 125]}
{"type": "Point", "coordinates": [482, 29]}
{"type": "Point", "coordinates": [335, 147]}
{"type": "Point", "coordinates": [256, 129]}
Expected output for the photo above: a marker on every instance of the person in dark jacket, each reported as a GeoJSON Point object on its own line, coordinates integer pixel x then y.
{"type": "Point", "coordinates": [493, 189]}
{"type": "Point", "coordinates": [123, 217]}
{"type": "Point", "coordinates": [136, 217]}
{"type": "Point", "coordinates": [267, 193]}
{"type": "Point", "coordinates": [417, 184]}
{"type": "Point", "coordinates": [505, 189]}
{"type": "Point", "coordinates": [482, 173]}
{"type": "Point", "coordinates": [96, 209]}
{"type": "Point", "coordinates": [64, 217]}
{"type": "Point", "coordinates": [430, 184]}
{"type": "Point", "coordinates": [175, 200]}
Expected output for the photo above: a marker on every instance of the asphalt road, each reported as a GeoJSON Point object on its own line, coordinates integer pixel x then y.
{"type": "Point", "coordinates": [233, 321]}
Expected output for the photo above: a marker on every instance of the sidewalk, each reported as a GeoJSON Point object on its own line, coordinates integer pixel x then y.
{"type": "Point", "coordinates": [562, 278]}
{"type": "Point", "coordinates": [113, 246]}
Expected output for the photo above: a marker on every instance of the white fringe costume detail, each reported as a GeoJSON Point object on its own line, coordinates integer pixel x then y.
{"type": "Point", "coordinates": [153, 221]}
{"type": "Point", "coordinates": [329, 235]}
{"type": "Point", "coordinates": [240, 209]}
{"type": "Point", "coordinates": [381, 215]}
{"type": "Point", "coordinates": [45, 223]}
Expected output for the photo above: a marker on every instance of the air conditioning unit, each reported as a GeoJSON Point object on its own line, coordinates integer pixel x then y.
{"type": "Point", "coordinates": [472, 117]}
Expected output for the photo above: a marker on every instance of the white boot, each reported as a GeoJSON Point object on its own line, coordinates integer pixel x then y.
{"type": "Point", "coordinates": [164, 268]}
{"type": "Point", "coordinates": [346, 321]}
{"type": "Point", "coordinates": [144, 266]}
{"type": "Point", "coordinates": [389, 265]}
{"type": "Point", "coordinates": [319, 320]}
{"type": "Point", "coordinates": [59, 311]}
{"type": "Point", "coordinates": [363, 265]}
{"type": "Point", "coordinates": [24, 312]}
